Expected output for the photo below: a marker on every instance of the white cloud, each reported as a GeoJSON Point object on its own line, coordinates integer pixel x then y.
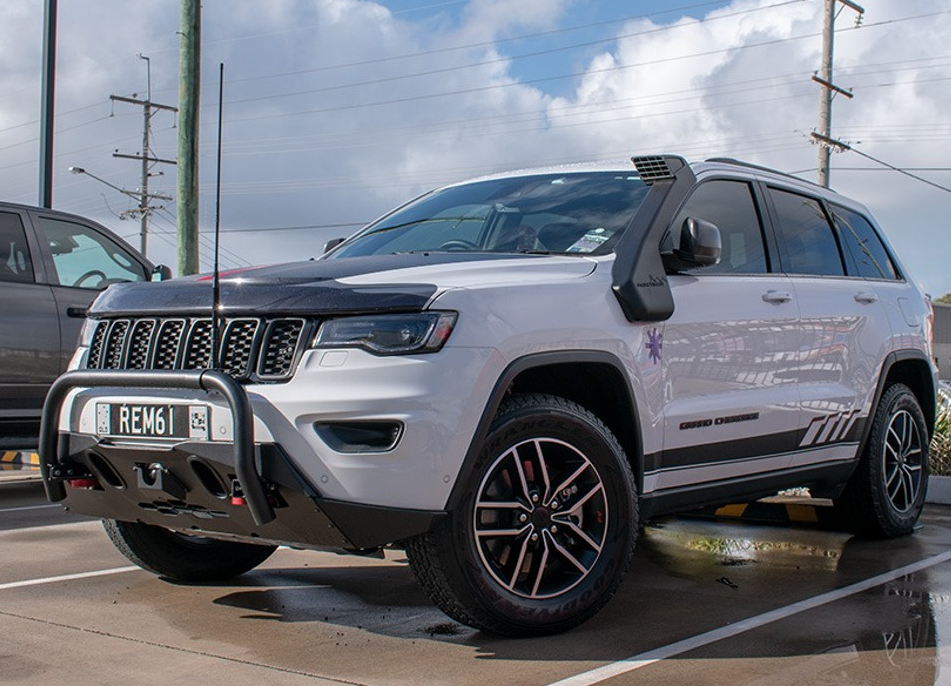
{"type": "Point", "coordinates": [353, 140]}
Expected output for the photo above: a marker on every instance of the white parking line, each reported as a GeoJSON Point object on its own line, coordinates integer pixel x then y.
{"type": "Point", "coordinates": [65, 577]}
{"type": "Point", "coordinates": [28, 507]}
{"type": "Point", "coordinates": [634, 662]}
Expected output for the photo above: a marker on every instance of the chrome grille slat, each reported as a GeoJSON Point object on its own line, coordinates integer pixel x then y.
{"type": "Point", "coordinates": [251, 349]}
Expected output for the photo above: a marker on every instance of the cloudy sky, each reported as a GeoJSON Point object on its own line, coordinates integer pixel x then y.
{"type": "Point", "coordinates": [335, 110]}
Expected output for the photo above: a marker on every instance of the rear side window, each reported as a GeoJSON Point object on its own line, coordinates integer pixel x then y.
{"type": "Point", "coordinates": [868, 257]}
{"type": "Point", "coordinates": [805, 235]}
{"type": "Point", "coordinates": [729, 205]}
{"type": "Point", "coordinates": [15, 262]}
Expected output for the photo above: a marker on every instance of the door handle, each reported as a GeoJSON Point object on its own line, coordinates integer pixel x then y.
{"type": "Point", "coordinates": [866, 298]}
{"type": "Point", "coordinates": [76, 312]}
{"type": "Point", "coordinates": [777, 297]}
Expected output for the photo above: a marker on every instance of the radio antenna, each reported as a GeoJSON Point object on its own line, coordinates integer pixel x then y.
{"type": "Point", "coordinates": [216, 282]}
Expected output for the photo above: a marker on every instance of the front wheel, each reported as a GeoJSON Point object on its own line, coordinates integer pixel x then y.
{"type": "Point", "coordinates": [179, 557]}
{"type": "Point", "coordinates": [886, 494]}
{"type": "Point", "coordinates": [546, 530]}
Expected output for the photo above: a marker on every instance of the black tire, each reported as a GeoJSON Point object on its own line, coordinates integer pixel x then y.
{"type": "Point", "coordinates": [179, 557]}
{"type": "Point", "coordinates": [546, 530]}
{"type": "Point", "coordinates": [886, 494]}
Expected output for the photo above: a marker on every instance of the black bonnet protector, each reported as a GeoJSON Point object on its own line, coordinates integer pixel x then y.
{"type": "Point", "coordinates": [300, 288]}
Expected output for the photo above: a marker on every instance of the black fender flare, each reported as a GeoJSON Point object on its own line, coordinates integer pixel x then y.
{"type": "Point", "coordinates": [504, 382]}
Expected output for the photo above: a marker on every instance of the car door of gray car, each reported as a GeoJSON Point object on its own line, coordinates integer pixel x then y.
{"type": "Point", "coordinates": [81, 262]}
{"type": "Point", "coordinates": [29, 327]}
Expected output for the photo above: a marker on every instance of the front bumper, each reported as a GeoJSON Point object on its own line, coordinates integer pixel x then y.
{"type": "Point", "coordinates": [237, 489]}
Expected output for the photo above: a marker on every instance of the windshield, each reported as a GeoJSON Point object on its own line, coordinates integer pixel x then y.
{"type": "Point", "coordinates": [551, 213]}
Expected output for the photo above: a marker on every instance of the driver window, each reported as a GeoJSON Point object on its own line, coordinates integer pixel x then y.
{"type": "Point", "coordinates": [729, 205]}
{"type": "Point", "coordinates": [84, 258]}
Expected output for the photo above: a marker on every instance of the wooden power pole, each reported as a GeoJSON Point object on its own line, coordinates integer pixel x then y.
{"type": "Point", "coordinates": [824, 79]}
{"type": "Point", "coordinates": [189, 85]}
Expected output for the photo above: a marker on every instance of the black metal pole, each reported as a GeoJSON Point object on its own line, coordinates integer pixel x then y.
{"type": "Point", "coordinates": [46, 115]}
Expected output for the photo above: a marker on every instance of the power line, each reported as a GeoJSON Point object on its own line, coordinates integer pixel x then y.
{"type": "Point", "coordinates": [506, 59]}
{"type": "Point", "coordinates": [616, 68]}
{"type": "Point", "coordinates": [833, 143]}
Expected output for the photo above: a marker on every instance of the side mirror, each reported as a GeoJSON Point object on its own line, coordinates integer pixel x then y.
{"type": "Point", "coordinates": [161, 273]}
{"type": "Point", "coordinates": [332, 243]}
{"type": "Point", "coordinates": [700, 245]}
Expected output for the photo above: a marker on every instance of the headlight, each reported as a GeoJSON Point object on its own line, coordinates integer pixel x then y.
{"type": "Point", "coordinates": [388, 334]}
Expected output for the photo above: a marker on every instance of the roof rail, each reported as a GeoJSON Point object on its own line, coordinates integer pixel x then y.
{"type": "Point", "coordinates": [759, 167]}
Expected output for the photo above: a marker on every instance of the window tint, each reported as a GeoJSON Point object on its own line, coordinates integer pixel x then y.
{"type": "Point", "coordinates": [15, 262]}
{"type": "Point", "coordinates": [729, 205]}
{"type": "Point", "coordinates": [810, 244]}
{"type": "Point", "coordinates": [868, 255]}
{"type": "Point", "coordinates": [86, 259]}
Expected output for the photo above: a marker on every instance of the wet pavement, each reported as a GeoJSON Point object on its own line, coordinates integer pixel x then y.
{"type": "Point", "coordinates": [706, 602]}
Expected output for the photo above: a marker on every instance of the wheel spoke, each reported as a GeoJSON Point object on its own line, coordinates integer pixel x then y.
{"type": "Point", "coordinates": [542, 565]}
{"type": "Point", "coordinates": [502, 533]}
{"type": "Point", "coordinates": [891, 477]}
{"type": "Point", "coordinates": [518, 564]}
{"type": "Point", "coordinates": [502, 505]}
{"type": "Point", "coordinates": [521, 475]}
{"type": "Point", "coordinates": [543, 468]}
{"type": "Point", "coordinates": [578, 472]}
{"type": "Point", "coordinates": [585, 498]}
{"type": "Point", "coordinates": [576, 530]}
{"type": "Point", "coordinates": [567, 555]}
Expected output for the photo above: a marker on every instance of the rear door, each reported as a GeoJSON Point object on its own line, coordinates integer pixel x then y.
{"type": "Point", "coordinates": [729, 351]}
{"type": "Point", "coordinates": [845, 330]}
{"type": "Point", "coordinates": [29, 335]}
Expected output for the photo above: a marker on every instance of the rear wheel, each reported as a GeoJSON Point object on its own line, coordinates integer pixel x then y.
{"type": "Point", "coordinates": [547, 528]}
{"type": "Point", "coordinates": [183, 558]}
{"type": "Point", "coordinates": [886, 494]}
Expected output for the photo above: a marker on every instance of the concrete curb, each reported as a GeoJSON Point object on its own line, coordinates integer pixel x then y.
{"type": "Point", "coordinates": [778, 510]}
{"type": "Point", "coordinates": [18, 459]}
{"type": "Point", "coordinates": [939, 490]}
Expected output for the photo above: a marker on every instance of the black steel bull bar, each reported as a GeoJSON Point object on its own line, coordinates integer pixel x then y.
{"type": "Point", "coordinates": [199, 379]}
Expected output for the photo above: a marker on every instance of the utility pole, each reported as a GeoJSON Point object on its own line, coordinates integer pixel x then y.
{"type": "Point", "coordinates": [189, 84]}
{"type": "Point", "coordinates": [47, 97]}
{"type": "Point", "coordinates": [828, 88]}
{"type": "Point", "coordinates": [146, 159]}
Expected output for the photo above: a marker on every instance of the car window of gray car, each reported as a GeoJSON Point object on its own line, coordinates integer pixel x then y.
{"type": "Point", "coordinates": [84, 258]}
{"type": "Point", "coordinates": [15, 261]}
{"type": "Point", "coordinates": [804, 231]}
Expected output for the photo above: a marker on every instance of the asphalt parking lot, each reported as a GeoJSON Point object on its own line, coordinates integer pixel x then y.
{"type": "Point", "coordinates": [707, 601]}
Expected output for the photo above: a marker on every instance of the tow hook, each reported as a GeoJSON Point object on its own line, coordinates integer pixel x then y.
{"type": "Point", "coordinates": [156, 476]}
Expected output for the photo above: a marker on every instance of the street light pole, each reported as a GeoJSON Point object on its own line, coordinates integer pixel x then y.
{"type": "Point", "coordinates": [46, 106]}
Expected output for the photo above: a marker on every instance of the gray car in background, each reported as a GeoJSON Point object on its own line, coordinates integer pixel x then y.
{"type": "Point", "coordinates": [52, 266]}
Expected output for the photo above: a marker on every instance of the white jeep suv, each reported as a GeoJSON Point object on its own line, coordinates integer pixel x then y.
{"type": "Point", "coordinates": [504, 377]}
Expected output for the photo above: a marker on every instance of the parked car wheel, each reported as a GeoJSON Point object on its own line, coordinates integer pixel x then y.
{"type": "Point", "coordinates": [183, 558]}
{"type": "Point", "coordinates": [887, 492]}
{"type": "Point", "coordinates": [546, 530]}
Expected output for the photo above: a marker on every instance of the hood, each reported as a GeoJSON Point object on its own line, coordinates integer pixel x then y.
{"type": "Point", "coordinates": [383, 283]}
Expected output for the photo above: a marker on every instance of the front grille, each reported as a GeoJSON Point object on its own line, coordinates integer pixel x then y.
{"type": "Point", "coordinates": [249, 348]}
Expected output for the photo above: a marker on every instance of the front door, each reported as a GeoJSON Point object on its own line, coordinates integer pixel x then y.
{"type": "Point", "coordinates": [730, 353]}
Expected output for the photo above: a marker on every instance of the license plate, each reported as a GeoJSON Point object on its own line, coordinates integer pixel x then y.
{"type": "Point", "coordinates": [149, 420]}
